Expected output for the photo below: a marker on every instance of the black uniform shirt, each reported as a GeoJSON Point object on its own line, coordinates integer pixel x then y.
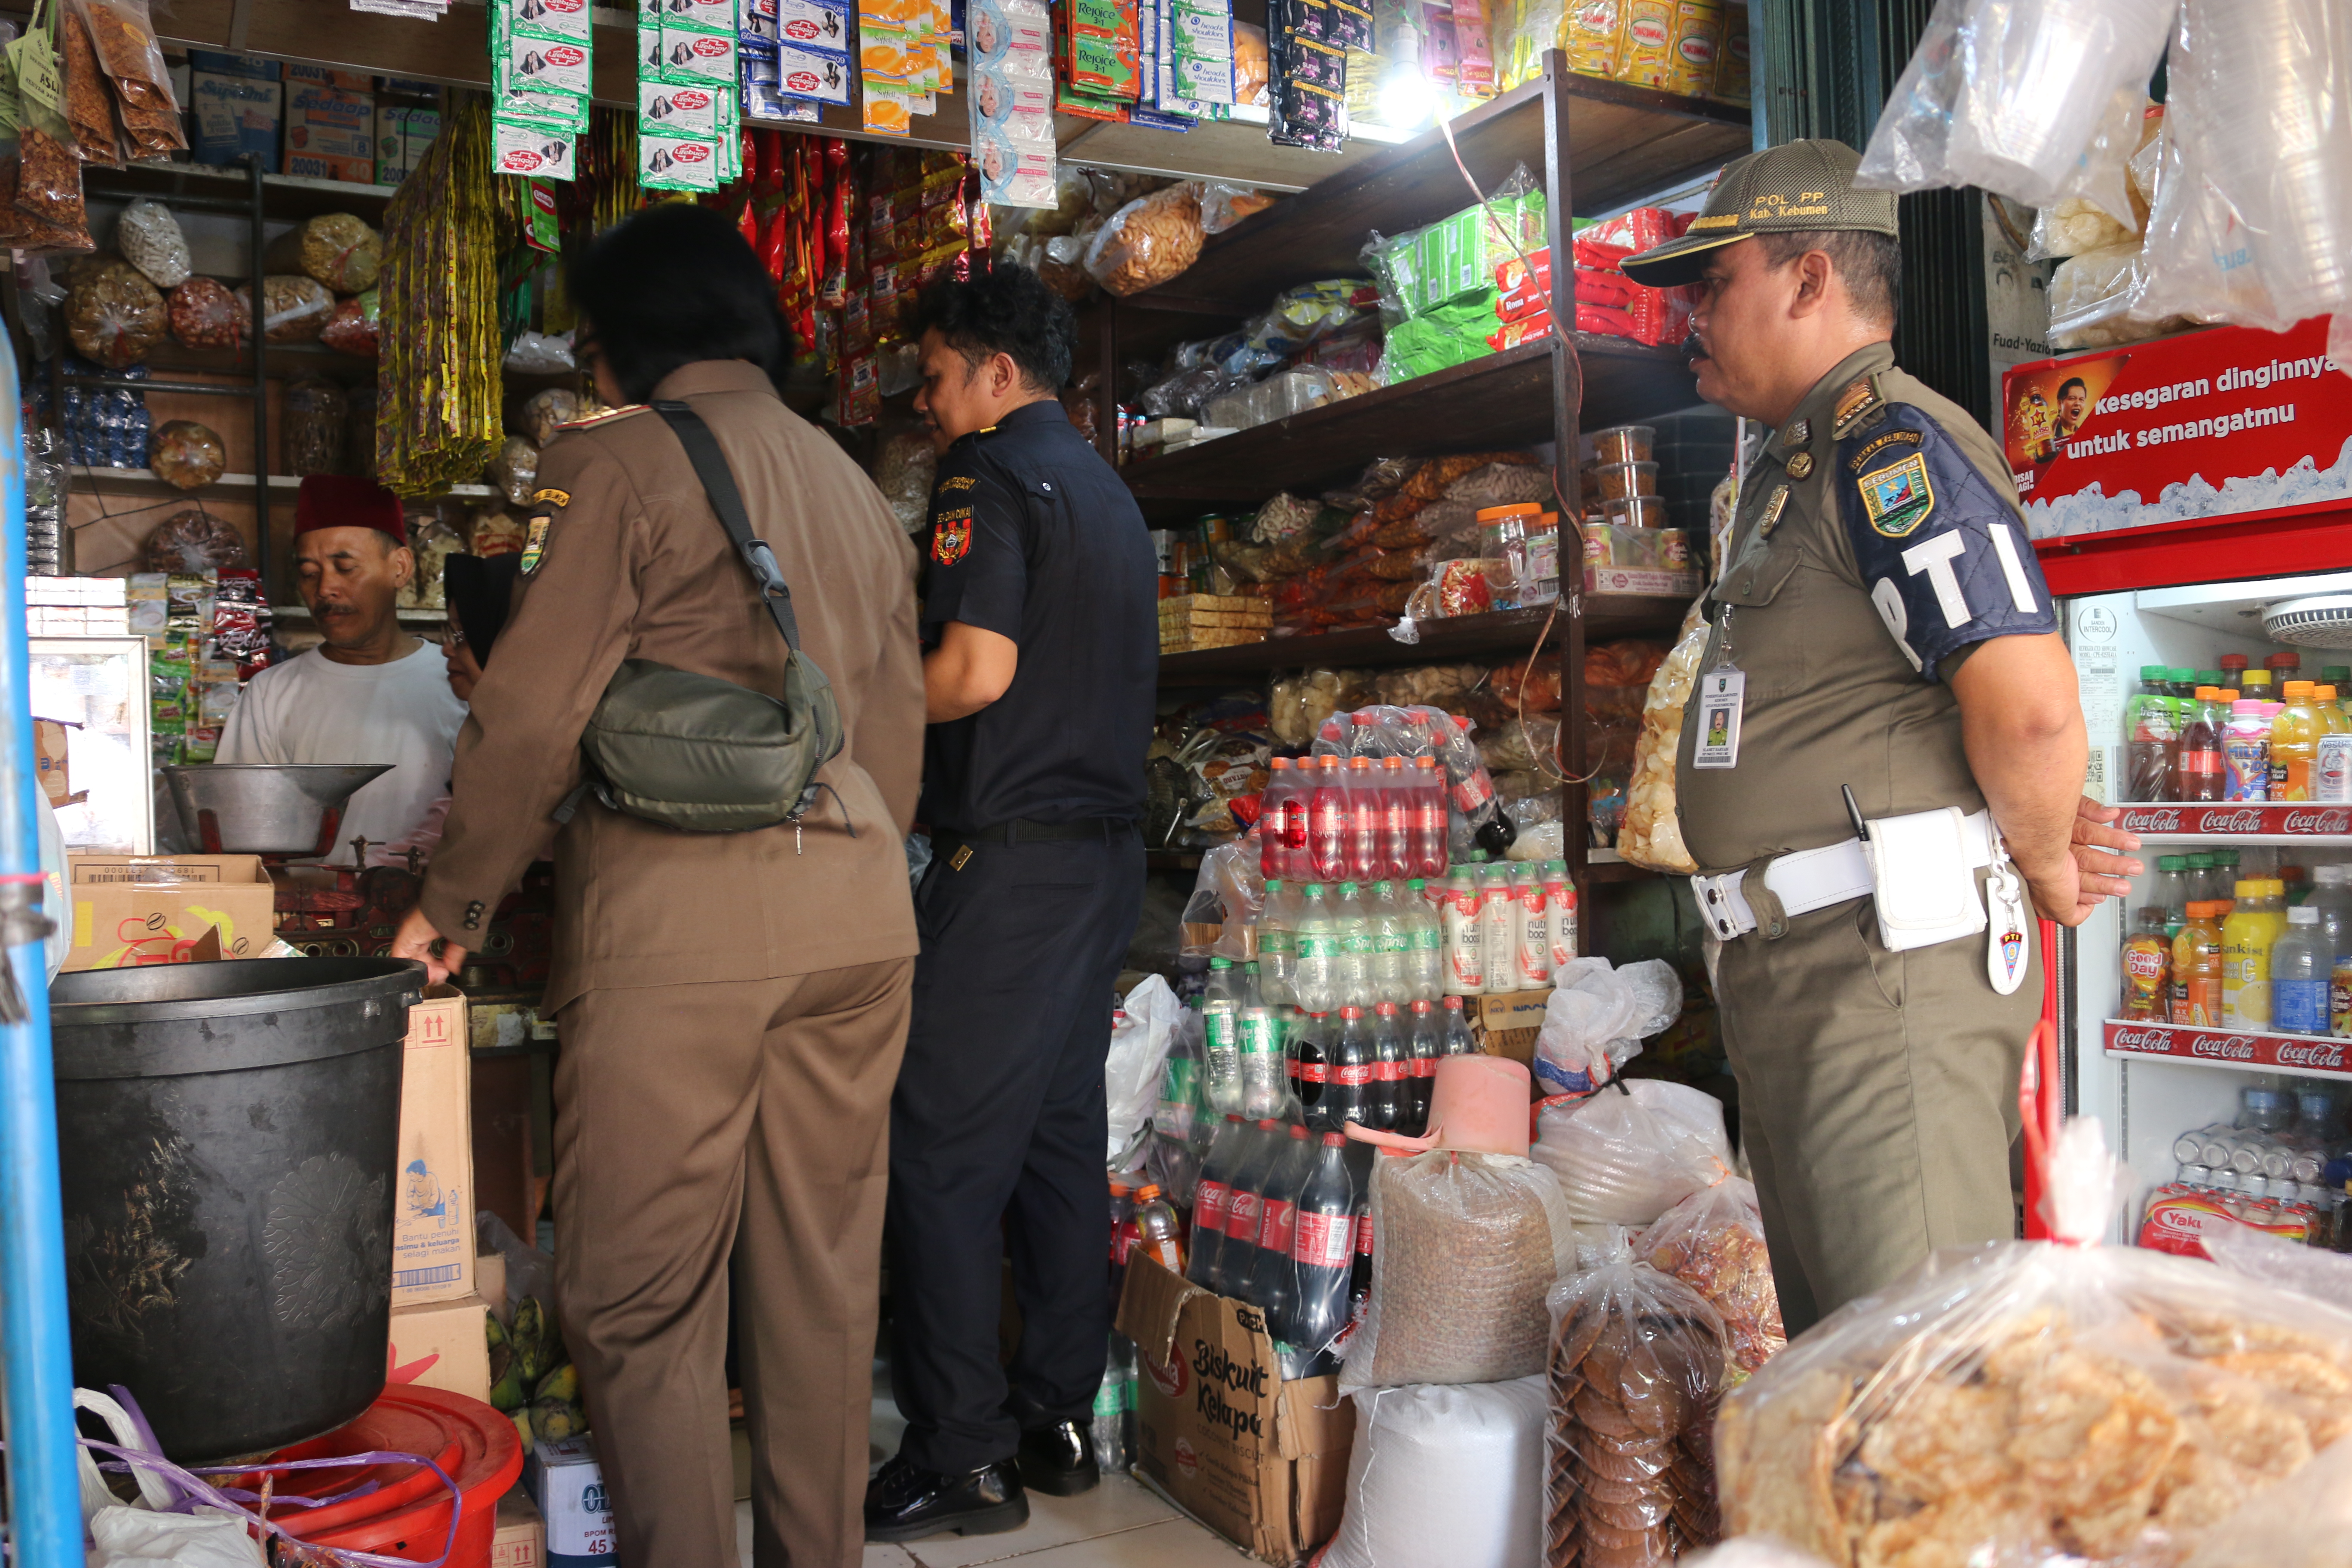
{"type": "Point", "coordinates": [1035, 538]}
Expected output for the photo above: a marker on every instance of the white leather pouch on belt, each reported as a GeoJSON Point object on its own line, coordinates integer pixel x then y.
{"type": "Point", "coordinates": [1923, 880]}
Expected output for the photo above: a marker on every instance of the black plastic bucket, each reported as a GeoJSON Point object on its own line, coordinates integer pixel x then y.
{"type": "Point", "coordinates": [229, 1136]}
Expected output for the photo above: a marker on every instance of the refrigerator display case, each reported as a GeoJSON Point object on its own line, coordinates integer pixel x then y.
{"type": "Point", "coordinates": [2159, 1085]}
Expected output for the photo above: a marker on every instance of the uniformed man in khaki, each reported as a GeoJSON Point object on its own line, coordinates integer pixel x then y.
{"type": "Point", "coordinates": [1881, 626]}
{"type": "Point", "coordinates": [732, 1007]}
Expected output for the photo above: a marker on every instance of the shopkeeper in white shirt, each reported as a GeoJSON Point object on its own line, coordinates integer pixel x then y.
{"type": "Point", "coordinates": [371, 692]}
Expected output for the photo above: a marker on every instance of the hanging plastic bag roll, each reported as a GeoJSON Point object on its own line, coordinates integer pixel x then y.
{"type": "Point", "coordinates": [2009, 94]}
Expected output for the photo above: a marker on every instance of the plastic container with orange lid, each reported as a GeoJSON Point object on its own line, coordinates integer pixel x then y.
{"type": "Point", "coordinates": [1503, 536]}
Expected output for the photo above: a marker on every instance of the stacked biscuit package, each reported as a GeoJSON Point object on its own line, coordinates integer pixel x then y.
{"type": "Point", "coordinates": [1637, 1359]}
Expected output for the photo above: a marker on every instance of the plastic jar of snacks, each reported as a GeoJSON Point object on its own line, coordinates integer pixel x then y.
{"type": "Point", "coordinates": [1624, 444]}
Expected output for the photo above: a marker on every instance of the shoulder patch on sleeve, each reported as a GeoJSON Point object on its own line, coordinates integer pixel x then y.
{"type": "Point", "coordinates": [1938, 546]}
{"type": "Point", "coordinates": [958, 482]}
{"type": "Point", "coordinates": [551, 497]}
{"type": "Point", "coordinates": [951, 536]}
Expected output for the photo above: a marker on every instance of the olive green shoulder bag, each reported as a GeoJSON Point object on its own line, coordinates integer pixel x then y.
{"type": "Point", "coordinates": [699, 753]}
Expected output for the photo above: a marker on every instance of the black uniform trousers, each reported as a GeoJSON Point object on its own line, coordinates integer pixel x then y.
{"type": "Point", "coordinates": [997, 1136]}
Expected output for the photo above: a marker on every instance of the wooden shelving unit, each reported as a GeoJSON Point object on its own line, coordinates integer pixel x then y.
{"type": "Point", "coordinates": [1593, 146]}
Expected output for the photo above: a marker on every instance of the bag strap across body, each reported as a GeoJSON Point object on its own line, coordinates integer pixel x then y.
{"type": "Point", "coordinates": [719, 483]}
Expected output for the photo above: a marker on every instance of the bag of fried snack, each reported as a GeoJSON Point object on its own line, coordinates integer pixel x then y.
{"type": "Point", "coordinates": [1636, 1364]}
{"type": "Point", "coordinates": [1651, 835]}
{"type": "Point", "coordinates": [1712, 1241]}
{"type": "Point", "coordinates": [1147, 241]}
{"type": "Point", "coordinates": [2024, 1402]}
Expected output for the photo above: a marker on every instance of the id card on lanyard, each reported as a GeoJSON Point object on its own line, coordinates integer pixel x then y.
{"type": "Point", "coordinates": [1721, 693]}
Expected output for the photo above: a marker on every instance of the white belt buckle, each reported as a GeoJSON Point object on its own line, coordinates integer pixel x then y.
{"type": "Point", "coordinates": [1722, 905]}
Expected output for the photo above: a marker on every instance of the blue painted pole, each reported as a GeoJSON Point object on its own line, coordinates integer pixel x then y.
{"type": "Point", "coordinates": [44, 1495]}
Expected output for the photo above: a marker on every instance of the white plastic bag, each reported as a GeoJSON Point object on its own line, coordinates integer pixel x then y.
{"type": "Point", "coordinates": [2252, 222]}
{"type": "Point", "coordinates": [1634, 1150]}
{"type": "Point", "coordinates": [1139, 1037]}
{"type": "Point", "coordinates": [154, 1492]}
{"type": "Point", "coordinates": [208, 1538]}
{"type": "Point", "coordinates": [1444, 1474]}
{"type": "Point", "coordinates": [1597, 1018]}
{"type": "Point", "coordinates": [1463, 1248]}
{"type": "Point", "coordinates": [2010, 94]}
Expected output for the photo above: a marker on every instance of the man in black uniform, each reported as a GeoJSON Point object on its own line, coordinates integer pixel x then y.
{"type": "Point", "coordinates": [1041, 661]}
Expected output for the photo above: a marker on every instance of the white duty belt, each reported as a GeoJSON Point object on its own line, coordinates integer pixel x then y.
{"type": "Point", "coordinates": [1812, 880]}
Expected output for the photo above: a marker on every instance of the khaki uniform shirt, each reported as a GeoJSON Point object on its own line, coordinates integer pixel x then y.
{"type": "Point", "coordinates": [626, 559]}
{"type": "Point", "coordinates": [1878, 540]}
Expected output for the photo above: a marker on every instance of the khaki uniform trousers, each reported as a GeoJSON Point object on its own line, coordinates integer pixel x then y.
{"type": "Point", "coordinates": [1878, 1098]}
{"type": "Point", "coordinates": [697, 1121]}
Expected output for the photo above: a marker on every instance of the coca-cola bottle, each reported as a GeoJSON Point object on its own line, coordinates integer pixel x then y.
{"type": "Point", "coordinates": [1322, 1251]}
{"type": "Point", "coordinates": [1455, 1030]}
{"type": "Point", "coordinates": [1425, 819]}
{"type": "Point", "coordinates": [1385, 1106]}
{"type": "Point", "coordinates": [1395, 837]}
{"type": "Point", "coordinates": [1473, 787]}
{"type": "Point", "coordinates": [1310, 1051]}
{"type": "Point", "coordinates": [1269, 1280]}
{"type": "Point", "coordinates": [1243, 1204]}
{"type": "Point", "coordinates": [1360, 1161]}
{"type": "Point", "coordinates": [1210, 1197]}
{"type": "Point", "coordinates": [1424, 1042]}
{"type": "Point", "coordinates": [1348, 1095]}
{"type": "Point", "coordinates": [1327, 821]}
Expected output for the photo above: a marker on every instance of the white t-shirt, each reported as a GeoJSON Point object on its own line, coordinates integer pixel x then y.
{"type": "Point", "coordinates": [313, 710]}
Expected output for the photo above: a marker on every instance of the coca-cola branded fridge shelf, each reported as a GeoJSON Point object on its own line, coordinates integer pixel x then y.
{"type": "Point", "coordinates": [2249, 1052]}
{"type": "Point", "coordinates": [2240, 822]}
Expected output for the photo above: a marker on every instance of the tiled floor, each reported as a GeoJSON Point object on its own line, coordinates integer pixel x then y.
{"type": "Point", "coordinates": [1119, 1524]}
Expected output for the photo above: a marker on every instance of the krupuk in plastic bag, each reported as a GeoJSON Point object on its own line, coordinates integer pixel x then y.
{"type": "Point", "coordinates": [1712, 1241]}
{"type": "Point", "coordinates": [2022, 1401]}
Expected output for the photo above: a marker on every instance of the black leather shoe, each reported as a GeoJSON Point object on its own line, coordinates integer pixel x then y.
{"type": "Point", "coordinates": [907, 1503]}
{"type": "Point", "coordinates": [1058, 1459]}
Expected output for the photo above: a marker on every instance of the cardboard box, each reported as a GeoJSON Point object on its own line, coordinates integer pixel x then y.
{"type": "Point", "coordinates": [1260, 1461]}
{"type": "Point", "coordinates": [441, 1346]}
{"type": "Point", "coordinates": [330, 124]}
{"type": "Point", "coordinates": [50, 761]}
{"type": "Point", "coordinates": [237, 103]}
{"type": "Point", "coordinates": [521, 1538]}
{"type": "Point", "coordinates": [433, 1226]}
{"type": "Point", "coordinates": [569, 1488]}
{"type": "Point", "coordinates": [168, 909]}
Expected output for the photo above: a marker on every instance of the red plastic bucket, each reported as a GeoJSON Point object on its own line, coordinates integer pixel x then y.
{"type": "Point", "coordinates": [415, 1523]}
{"type": "Point", "coordinates": [386, 1426]}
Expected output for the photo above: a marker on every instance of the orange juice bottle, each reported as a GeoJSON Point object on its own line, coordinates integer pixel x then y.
{"type": "Point", "coordinates": [2196, 966]}
{"type": "Point", "coordinates": [2147, 968]}
{"type": "Point", "coordinates": [2295, 743]}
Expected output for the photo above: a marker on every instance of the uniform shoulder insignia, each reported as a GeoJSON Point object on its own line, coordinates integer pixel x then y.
{"type": "Point", "coordinates": [951, 535]}
{"type": "Point", "coordinates": [551, 496]}
{"type": "Point", "coordinates": [605, 416]}
{"type": "Point", "coordinates": [1857, 400]}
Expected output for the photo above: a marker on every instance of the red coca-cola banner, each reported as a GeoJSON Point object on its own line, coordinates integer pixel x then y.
{"type": "Point", "coordinates": [2230, 819]}
{"type": "Point", "coordinates": [2228, 421]}
{"type": "Point", "coordinates": [2229, 1048]}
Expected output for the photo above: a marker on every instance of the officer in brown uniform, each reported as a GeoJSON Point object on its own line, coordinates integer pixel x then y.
{"type": "Point", "coordinates": [1881, 628]}
{"type": "Point", "coordinates": [732, 1006]}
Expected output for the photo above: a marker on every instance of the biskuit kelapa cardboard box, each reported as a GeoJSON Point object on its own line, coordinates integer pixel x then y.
{"type": "Point", "coordinates": [433, 1223]}
{"type": "Point", "coordinates": [1262, 1461]}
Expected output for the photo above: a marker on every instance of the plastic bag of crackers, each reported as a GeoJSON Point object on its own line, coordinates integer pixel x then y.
{"type": "Point", "coordinates": [1651, 835]}
{"type": "Point", "coordinates": [1712, 1241]}
{"type": "Point", "coordinates": [1636, 1365]}
{"type": "Point", "coordinates": [2032, 1402]}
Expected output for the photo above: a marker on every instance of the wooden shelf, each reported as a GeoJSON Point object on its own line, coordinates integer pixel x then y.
{"type": "Point", "coordinates": [300, 614]}
{"type": "Point", "coordinates": [1503, 633]}
{"type": "Point", "coordinates": [144, 481]}
{"type": "Point", "coordinates": [285, 197]}
{"type": "Point", "coordinates": [1501, 400]}
{"type": "Point", "coordinates": [1623, 142]}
